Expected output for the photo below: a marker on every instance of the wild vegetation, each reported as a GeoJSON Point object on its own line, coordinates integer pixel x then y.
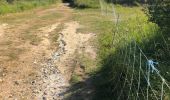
{"type": "Point", "coordinates": [124, 43]}
{"type": "Point", "coordinates": [11, 6]}
{"type": "Point", "coordinates": [159, 12]}
{"type": "Point", "coordinates": [83, 3]}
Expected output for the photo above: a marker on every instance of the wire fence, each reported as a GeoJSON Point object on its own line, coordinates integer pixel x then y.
{"type": "Point", "coordinates": [141, 71]}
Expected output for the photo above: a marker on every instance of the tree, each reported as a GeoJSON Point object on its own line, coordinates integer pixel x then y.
{"type": "Point", "coordinates": [159, 12]}
{"type": "Point", "coordinates": [126, 1]}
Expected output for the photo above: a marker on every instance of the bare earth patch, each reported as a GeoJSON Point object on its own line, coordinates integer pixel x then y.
{"type": "Point", "coordinates": [30, 69]}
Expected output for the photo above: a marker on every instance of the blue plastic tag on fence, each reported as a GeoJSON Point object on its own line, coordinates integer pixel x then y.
{"type": "Point", "coordinates": [151, 65]}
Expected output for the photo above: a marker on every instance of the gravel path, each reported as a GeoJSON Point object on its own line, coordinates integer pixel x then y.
{"type": "Point", "coordinates": [56, 72]}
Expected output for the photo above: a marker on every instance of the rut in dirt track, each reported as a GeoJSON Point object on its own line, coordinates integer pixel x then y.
{"type": "Point", "coordinates": [56, 73]}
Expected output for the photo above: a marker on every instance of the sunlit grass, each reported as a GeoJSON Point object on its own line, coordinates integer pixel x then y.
{"type": "Point", "coordinates": [114, 39]}
{"type": "Point", "coordinates": [19, 6]}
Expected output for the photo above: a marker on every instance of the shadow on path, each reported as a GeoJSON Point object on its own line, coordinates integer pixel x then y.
{"type": "Point", "coordinates": [83, 90]}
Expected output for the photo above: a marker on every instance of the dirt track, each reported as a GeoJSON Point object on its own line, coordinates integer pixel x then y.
{"type": "Point", "coordinates": [35, 65]}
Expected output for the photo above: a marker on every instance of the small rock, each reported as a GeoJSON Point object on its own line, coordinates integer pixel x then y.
{"type": "Point", "coordinates": [16, 82]}
{"type": "Point", "coordinates": [3, 74]}
{"type": "Point", "coordinates": [10, 96]}
{"type": "Point", "coordinates": [33, 82]}
{"type": "Point", "coordinates": [35, 62]}
{"type": "Point", "coordinates": [44, 98]}
{"type": "Point", "coordinates": [1, 80]}
{"type": "Point", "coordinates": [45, 93]}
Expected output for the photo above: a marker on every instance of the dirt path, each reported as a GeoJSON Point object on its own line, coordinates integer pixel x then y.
{"type": "Point", "coordinates": [38, 52]}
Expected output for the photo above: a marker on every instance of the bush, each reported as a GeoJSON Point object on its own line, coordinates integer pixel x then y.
{"type": "Point", "coordinates": [129, 2]}
{"type": "Point", "coordinates": [86, 3]}
{"type": "Point", "coordinates": [158, 11]}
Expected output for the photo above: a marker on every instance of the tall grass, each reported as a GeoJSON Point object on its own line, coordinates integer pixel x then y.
{"type": "Point", "coordinates": [118, 43]}
{"type": "Point", "coordinates": [119, 69]}
{"type": "Point", "coordinates": [18, 6]}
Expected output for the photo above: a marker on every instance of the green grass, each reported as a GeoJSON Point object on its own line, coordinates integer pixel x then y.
{"type": "Point", "coordinates": [86, 3]}
{"type": "Point", "coordinates": [116, 47]}
{"type": "Point", "coordinates": [75, 79]}
{"type": "Point", "coordinates": [19, 6]}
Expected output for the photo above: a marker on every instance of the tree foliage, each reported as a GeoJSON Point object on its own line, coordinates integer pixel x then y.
{"type": "Point", "coordinates": [130, 2]}
{"type": "Point", "coordinates": [159, 12]}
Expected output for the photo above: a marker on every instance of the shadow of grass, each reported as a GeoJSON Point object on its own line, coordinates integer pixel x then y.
{"type": "Point", "coordinates": [115, 76]}
{"type": "Point", "coordinates": [79, 4]}
{"type": "Point", "coordinates": [114, 80]}
{"type": "Point", "coordinates": [83, 90]}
